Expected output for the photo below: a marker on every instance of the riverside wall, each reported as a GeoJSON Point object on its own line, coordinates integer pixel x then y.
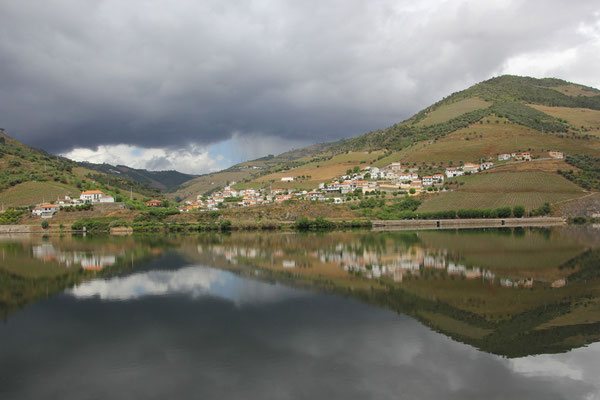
{"type": "Point", "coordinates": [467, 223]}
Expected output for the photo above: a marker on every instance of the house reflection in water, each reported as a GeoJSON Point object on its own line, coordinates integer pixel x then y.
{"type": "Point", "coordinates": [87, 261]}
{"type": "Point", "coordinates": [367, 263]}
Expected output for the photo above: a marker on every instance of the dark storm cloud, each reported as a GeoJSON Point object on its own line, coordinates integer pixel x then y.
{"type": "Point", "coordinates": [153, 74]}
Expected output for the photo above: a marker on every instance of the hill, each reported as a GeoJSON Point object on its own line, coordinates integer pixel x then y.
{"type": "Point", "coordinates": [506, 114]}
{"type": "Point", "coordinates": [29, 176]}
{"type": "Point", "coordinates": [163, 181]}
{"type": "Point", "coordinates": [506, 96]}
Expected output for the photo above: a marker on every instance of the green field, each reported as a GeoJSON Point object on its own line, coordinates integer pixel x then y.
{"type": "Point", "coordinates": [448, 111]}
{"type": "Point", "coordinates": [30, 193]}
{"type": "Point", "coordinates": [497, 189]}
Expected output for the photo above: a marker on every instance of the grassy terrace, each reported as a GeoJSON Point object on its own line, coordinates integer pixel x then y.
{"type": "Point", "coordinates": [448, 111]}
{"type": "Point", "coordinates": [28, 193]}
{"type": "Point", "coordinates": [530, 189]}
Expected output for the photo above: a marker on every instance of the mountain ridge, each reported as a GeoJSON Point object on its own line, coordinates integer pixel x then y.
{"type": "Point", "coordinates": [163, 180]}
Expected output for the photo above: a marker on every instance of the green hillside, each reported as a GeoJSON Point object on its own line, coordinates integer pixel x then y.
{"type": "Point", "coordinates": [504, 96]}
{"type": "Point", "coordinates": [29, 176]}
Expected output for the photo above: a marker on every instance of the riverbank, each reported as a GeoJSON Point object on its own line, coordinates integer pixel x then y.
{"type": "Point", "coordinates": [467, 223]}
{"type": "Point", "coordinates": [377, 225]}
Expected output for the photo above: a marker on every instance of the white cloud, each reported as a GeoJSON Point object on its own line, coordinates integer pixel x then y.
{"type": "Point", "coordinates": [192, 160]}
{"type": "Point", "coordinates": [193, 281]}
{"type": "Point", "coordinates": [577, 63]}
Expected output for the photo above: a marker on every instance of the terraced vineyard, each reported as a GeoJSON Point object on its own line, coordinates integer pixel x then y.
{"type": "Point", "coordinates": [28, 193]}
{"type": "Point", "coordinates": [453, 110]}
{"type": "Point", "coordinates": [497, 189]}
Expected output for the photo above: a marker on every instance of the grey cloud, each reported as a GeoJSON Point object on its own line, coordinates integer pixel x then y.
{"type": "Point", "coordinates": [86, 73]}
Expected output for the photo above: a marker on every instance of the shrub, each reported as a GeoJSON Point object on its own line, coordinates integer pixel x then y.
{"type": "Point", "coordinates": [518, 211]}
{"type": "Point", "coordinates": [503, 212]}
{"type": "Point", "coordinates": [45, 224]}
{"type": "Point", "coordinates": [225, 225]}
{"type": "Point", "coordinates": [320, 223]}
{"type": "Point", "coordinates": [302, 223]}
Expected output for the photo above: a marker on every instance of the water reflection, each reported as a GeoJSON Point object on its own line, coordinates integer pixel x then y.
{"type": "Point", "coordinates": [194, 281]}
{"type": "Point", "coordinates": [88, 261]}
{"type": "Point", "coordinates": [386, 315]}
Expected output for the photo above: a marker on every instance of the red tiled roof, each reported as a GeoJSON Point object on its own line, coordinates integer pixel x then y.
{"type": "Point", "coordinates": [93, 192]}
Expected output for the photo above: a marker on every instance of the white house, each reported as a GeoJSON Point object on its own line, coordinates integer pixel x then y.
{"type": "Point", "coordinates": [470, 167]}
{"type": "Point", "coordinates": [438, 178]}
{"type": "Point", "coordinates": [403, 177]}
{"type": "Point", "coordinates": [287, 179]}
{"type": "Point", "coordinates": [96, 196]}
{"type": "Point", "coordinates": [45, 210]}
{"type": "Point", "coordinates": [503, 157]}
{"type": "Point", "coordinates": [332, 187]}
{"type": "Point", "coordinates": [487, 165]}
{"type": "Point", "coordinates": [427, 180]}
{"type": "Point", "coordinates": [452, 172]}
{"type": "Point", "coordinates": [556, 154]}
{"type": "Point", "coordinates": [314, 195]}
{"type": "Point", "coordinates": [395, 166]}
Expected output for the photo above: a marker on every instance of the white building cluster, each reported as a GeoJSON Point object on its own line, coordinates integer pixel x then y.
{"type": "Point", "coordinates": [369, 179]}
{"type": "Point", "coordinates": [470, 168]}
{"type": "Point", "coordinates": [413, 261]}
{"type": "Point", "coordinates": [47, 210]}
{"type": "Point", "coordinates": [392, 178]}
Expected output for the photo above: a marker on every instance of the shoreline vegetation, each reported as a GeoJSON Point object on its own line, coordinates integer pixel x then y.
{"type": "Point", "coordinates": [319, 224]}
{"type": "Point", "coordinates": [367, 213]}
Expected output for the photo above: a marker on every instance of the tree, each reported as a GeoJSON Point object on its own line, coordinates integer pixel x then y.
{"type": "Point", "coordinates": [45, 224]}
{"type": "Point", "coordinates": [518, 211]}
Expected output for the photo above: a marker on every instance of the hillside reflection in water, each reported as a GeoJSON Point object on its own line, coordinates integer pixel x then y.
{"type": "Point", "coordinates": [441, 314]}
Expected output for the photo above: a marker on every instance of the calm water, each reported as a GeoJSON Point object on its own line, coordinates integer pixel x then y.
{"type": "Point", "coordinates": [433, 314]}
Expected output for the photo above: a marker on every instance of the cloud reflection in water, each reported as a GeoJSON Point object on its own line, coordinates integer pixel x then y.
{"type": "Point", "coordinates": [194, 281]}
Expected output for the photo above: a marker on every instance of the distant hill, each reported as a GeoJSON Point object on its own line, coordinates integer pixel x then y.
{"type": "Point", "coordinates": [159, 180]}
{"type": "Point", "coordinates": [29, 176]}
{"type": "Point", "coordinates": [246, 171]}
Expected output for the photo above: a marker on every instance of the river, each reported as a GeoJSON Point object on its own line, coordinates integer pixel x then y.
{"type": "Point", "coordinates": [457, 314]}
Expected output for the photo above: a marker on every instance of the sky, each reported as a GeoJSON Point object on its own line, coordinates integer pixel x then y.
{"type": "Point", "coordinates": [200, 85]}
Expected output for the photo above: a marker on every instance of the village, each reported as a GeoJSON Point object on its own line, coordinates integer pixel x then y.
{"type": "Point", "coordinates": [394, 178]}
